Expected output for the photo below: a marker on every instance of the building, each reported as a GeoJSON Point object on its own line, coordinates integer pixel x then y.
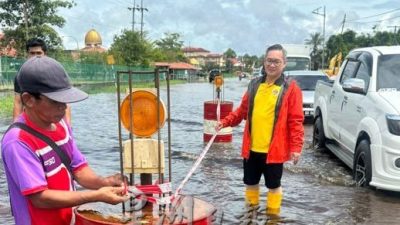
{"type": "Point", "coordinates": [93, 42]}
{"type": "Point", "coordinates": [178, 70]}
{"type": "Point", "coordinates": [203, 57]}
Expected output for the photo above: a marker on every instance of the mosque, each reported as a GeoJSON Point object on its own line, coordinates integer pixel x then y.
{"type": "Point", "coordinates": [93, 42]}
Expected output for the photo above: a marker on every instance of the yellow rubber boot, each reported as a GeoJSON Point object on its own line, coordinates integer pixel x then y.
{"type": "Point", "coordinates": [274, 201]}
{"type": "Point", "coordinates": [252, 194]}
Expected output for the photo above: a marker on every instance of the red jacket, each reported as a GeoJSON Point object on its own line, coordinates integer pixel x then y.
{"type": "Point", "coordinates": [288, 131]}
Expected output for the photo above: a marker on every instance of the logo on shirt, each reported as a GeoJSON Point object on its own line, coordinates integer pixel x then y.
{"type": "Point", "coordinates": [50, 161]}
{"type": "Point", "coordinates": [275, 92]}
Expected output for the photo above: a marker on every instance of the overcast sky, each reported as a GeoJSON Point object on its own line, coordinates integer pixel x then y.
{"type": "Point", "coordinates": [246, 26]}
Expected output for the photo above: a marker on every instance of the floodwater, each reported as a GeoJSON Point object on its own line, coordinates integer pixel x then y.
{"type": "Point", "coordinates": [318, 190]}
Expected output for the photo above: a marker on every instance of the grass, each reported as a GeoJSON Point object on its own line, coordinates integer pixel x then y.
{"type": "Point", "coordinates": [6, 105]}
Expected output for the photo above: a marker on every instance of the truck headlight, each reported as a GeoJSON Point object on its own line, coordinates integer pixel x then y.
{"type": "Point", "coordinates": [393, 122]}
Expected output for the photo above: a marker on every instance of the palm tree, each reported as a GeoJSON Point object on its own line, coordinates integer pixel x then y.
{"type": "Point", "coordinates": [316, 54]}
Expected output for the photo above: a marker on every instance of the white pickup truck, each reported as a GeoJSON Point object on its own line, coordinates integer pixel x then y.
{"type": "Point", "coordinates": [357, 116]}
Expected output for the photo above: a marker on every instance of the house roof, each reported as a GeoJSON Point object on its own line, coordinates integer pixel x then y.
{"type": "Point", "coordinates": [191, 49]}
{"type": "Point", "coordinates": [214, 55]}
{"type": "Point", "coordinates": [161, 64]}
{"type": "Point", "coordinates": [176, 65]}
{"type": "Point", "coordinates": [182, 65]}
{"type": "Point", "coordinates": [235, 62]}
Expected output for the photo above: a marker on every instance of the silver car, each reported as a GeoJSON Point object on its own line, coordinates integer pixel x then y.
{"type": "Point", "coordinates": [307, 80]}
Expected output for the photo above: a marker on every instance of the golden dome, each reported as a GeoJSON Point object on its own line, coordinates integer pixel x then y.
{"type": "Point", "coordinates": [92, 38]}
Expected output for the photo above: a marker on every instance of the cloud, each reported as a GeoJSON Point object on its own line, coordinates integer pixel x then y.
{"type": "Point", "coordinates": [245, 26]}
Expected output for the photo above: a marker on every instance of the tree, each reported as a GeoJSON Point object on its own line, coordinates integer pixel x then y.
{"type": "Point", "coordinates": [131, 49]}
{"type": "Point", "coordinates": [336, 45]}
{"type": "Point", "coordinates": [365, 40]}
{"type": "Point", "coordinates": [250, 62]}
{"type": "Point", "coordinates": [171, 47]}
{"type": "Point", "coordinates": [24, 19]}
{"type": "Point", "coordinates": [384, 38]}
{"type": "Point", "coordinates": [230, 54]}
{"type": "Point", "coordinates": [316, 54]}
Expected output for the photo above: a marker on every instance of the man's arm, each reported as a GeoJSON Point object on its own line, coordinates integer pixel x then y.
{"type": "Point", "coordinates": [63, 199]}
{"type": "Point", "coordinates": [235, 117]}
{"type": "Point", "coordinates": [87, 178]}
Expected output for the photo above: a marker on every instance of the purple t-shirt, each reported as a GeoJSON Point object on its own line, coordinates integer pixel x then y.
{"type": "Point", "coordinates": [31, 166]}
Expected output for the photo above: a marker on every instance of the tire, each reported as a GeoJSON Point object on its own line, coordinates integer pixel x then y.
{"type": "Point", "coordinates": [362, 169]}
{"type": "Point", "coordinates": [318, 133]}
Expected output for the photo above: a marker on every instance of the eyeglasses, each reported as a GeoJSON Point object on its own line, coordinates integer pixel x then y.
{"type": "Point", "coordinates": [275, 62]}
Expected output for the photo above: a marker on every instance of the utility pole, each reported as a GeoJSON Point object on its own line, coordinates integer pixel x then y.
{"type": "Point", "coordinates": [133, 13]}
{"type": "Point", "coordinates": [316, 11]}
{"type": "Point", "coordinates": [395, 33]}
{"type": "Point", "coordinates": [344, 21]}
{"type": "Point", "coordinates": [141, 9]}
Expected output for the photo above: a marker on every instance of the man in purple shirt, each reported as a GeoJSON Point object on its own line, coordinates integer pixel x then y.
{"type": "Point", "coordinates": [39, 177]}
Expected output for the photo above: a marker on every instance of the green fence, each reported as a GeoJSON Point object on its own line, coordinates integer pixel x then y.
{"type": "Point", "coordinates": [79, 72]}
{"type": "Point", "coordinates": [94, 73]}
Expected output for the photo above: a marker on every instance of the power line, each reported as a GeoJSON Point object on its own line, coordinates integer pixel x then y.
{"type": "Point", "coordinates": [380, 14]}
{"type": "Point", "coordinates": [377, 21]}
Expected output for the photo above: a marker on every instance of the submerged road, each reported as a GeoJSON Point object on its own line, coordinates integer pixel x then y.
{"type": "Point", "coordinates": [318, 190]}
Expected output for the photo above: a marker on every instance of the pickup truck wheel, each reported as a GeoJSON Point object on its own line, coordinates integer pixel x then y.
{"type": "Point", "coordinates": [362, 164]}
{"type": "Point", "coordinates": [318, 133]}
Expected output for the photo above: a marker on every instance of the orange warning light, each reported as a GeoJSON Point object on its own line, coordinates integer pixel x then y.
{"type": "Point", "coordinates": [218, 81]}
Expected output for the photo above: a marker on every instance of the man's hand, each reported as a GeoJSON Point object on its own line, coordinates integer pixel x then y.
{"type": "Point", "coordinates": [219, 127]}
{"type": "Point", "coordinates": [112, 195]}
{"type": "Point", "coordinates": [115, 180]}
{"type": "Point", "coordinates": [295, 157]}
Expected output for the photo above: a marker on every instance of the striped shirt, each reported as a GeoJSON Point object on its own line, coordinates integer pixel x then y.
{"type": "Point", "coordinates": [31, 166]}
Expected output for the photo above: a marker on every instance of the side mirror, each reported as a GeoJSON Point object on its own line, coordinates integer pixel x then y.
{"type": "Point", "coordinates": [354, 85]}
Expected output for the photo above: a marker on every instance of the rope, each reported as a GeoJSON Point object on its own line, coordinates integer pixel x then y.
{"type": "Point", "coordinates": [174, 200]}
{"type": "Point", "coordinates": [201, 156]}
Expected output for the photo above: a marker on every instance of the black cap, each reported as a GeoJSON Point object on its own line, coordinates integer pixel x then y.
{"type": "Point", "coordinates": [44, 75]}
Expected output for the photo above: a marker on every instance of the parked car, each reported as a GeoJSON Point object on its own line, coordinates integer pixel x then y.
{"type": "Point", "coordinates": [357, 116]}
{"type": "Point", "coordinates": [307, 80]}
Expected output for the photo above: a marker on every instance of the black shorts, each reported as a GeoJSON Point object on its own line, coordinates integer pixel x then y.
{"type": "Point", "coordinates": [256, 165]}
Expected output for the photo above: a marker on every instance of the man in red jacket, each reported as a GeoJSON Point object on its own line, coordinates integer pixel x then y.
{"type": "Point", "coordinates": [273, 109]}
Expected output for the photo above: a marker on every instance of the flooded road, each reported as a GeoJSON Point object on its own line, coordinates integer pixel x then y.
{"type": "Point", "coordinates": [318, 190]}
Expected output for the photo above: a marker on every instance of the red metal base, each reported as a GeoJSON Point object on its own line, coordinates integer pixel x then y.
{"type": "Point", "coordinates": [218, 138]}
{"type": "Point", "coordinates": [203, 214]}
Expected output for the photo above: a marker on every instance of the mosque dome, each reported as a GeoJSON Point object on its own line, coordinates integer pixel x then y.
{"type": "Point", "coordinates": [93, 38]}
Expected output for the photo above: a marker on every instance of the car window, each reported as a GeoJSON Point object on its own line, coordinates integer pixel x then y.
{"type": "Point", "coordinates": [308, 82]}
{"type": "Point", "coordinates": [364, 71]}
{"type": "Point", "coordinates": [349, 70]}
{"type": "Point", "coordinates": [388, 73]}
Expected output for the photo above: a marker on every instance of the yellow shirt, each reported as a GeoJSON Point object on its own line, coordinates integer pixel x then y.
{"type": "Point", "coordinates": [262, 120]}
